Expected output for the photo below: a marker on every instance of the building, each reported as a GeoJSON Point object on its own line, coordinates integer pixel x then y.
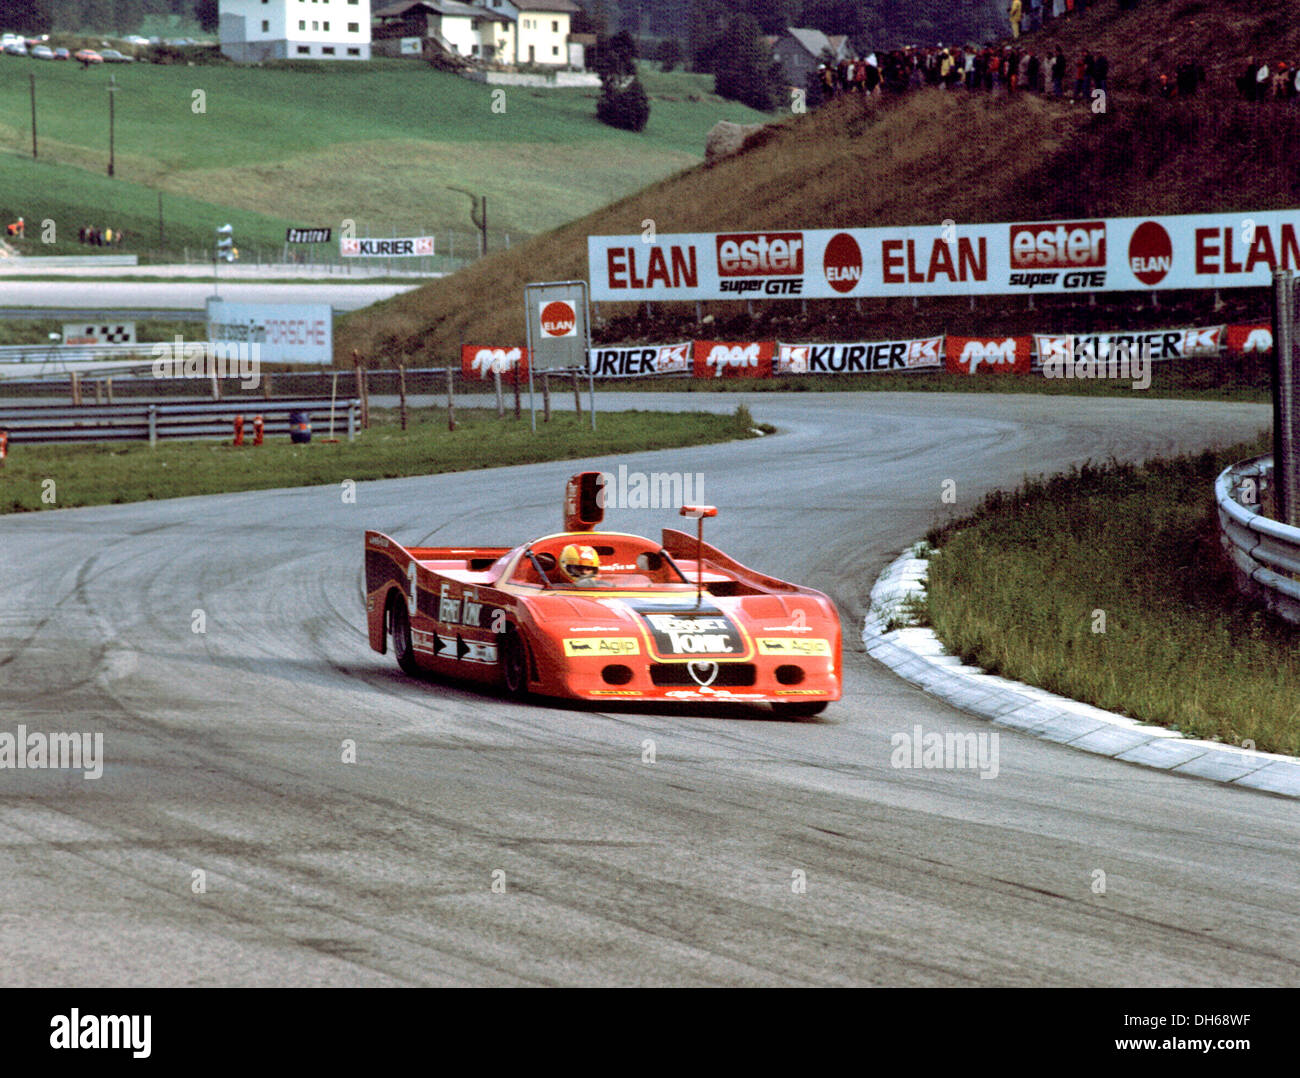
{"type": "Point", "coordinates": [799, 51]}
{"type": "Point", "coordinates": [428, 27]}
{"type": "Point", "coordinates": [255, 30]}
{"type": "Point", "coordinates": [541, 29]}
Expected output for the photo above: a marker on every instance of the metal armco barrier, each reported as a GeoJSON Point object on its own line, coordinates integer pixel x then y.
{"type": "Point", "coordinates": [45, 423]}
{"type": "Point", "coordinates": [1266, 553]}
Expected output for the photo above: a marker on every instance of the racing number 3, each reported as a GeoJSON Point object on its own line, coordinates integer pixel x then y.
{"type": "Point", "coordinates": [413, 599]}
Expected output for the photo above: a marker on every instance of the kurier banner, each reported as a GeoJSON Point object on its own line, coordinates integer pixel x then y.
{"type": "Point", "coordinates": [479, 361]}
{"type": "Point", "coordinates": [865, 357]}
{"type": "Point", "coordinates": [1119, 254]}
{"type": "Point", "coordinates": [1161, 344]}
{"type": "Point", "coordinates": [640, 360]}
{"type": "Point", "coordinates": [404, 247]}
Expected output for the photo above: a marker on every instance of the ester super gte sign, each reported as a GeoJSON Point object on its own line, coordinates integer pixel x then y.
{"type": "Point", "coordinates": [1086, 255]}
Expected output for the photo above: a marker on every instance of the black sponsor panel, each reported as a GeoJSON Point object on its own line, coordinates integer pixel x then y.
{"type": "Point", "coordinates": [692, 632]}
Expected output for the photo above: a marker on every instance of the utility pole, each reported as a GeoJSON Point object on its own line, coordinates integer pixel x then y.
{"type": "Point", "coordinates": [112, 94]}
{"type": "Point", "coordinates": [32, 78]}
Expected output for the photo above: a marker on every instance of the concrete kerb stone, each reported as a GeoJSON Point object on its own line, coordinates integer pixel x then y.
{"type": "Point", "coordinates": [917, 655]}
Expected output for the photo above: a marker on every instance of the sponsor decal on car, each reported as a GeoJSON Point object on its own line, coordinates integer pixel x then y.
{"type": "Point", "coordinates": [768, 645]}
{"type": "Point", "coordinates": [687, 633]}
{"type": "Point", "coordinates": [599, 646]}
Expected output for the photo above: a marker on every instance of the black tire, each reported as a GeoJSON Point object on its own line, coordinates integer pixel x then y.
{"type": "Point", "coordinates": [400, 627]}
{"type": "Point", "coordinates": [799, 711]}
{"type": "Point", "coordinates": [514, 663]}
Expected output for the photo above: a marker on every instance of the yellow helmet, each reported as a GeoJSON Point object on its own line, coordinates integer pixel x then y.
{"type": "Point", "coordinates": [579, 562]}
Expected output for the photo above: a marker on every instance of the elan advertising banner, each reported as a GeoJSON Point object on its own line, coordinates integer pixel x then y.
{"type": "Point", "coordinates": [1125, 254]}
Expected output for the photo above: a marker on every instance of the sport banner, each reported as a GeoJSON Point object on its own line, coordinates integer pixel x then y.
{"type": "Point", "coordinates": [1162, 343]}
{"type": "Point", "coordinates": [861, 358]}
{"type": "Point", "coordinates": [725, 359]}
{"type": "Point", "coordinates": [1241, 340]}
{"type": "Point", "coordinates": [999, 355]}
{"type": "Point", "coordinates": [640, 360]}
{"type": "Point", "coordinates": [478, 361]}
{"type": "Point", "coordinates": [1121, 254]}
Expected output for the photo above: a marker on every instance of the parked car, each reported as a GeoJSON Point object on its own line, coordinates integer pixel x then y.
{"type": "Point", "coordinates": [42, 52]}
{"type": "Point", "coordinates": [137, 39]}
{"type": "Point", "coordinates": [62, 54]}
{"type": "Point", "coordinates": [16, 48]}
{"type": "Point", "coordinates": [88, 56]}
{"type": "Point", "coordinates": [112, 56]}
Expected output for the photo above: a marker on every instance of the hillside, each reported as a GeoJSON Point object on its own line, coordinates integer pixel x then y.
{"type": "Point", "coordinates": [378, 143]}
{"type": "Point", "coordinates": [920, 158]}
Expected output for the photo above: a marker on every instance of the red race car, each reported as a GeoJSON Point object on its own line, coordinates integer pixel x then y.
{"type": "Point", "coordinates": [595, 615]}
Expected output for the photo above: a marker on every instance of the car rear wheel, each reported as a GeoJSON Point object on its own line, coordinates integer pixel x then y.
{"type": "Point", "coordinates": [799, 711]}
{"type": "Point", "coordinates": [514, 663]}
{"type": "Point", "coordinates": [400, 626]}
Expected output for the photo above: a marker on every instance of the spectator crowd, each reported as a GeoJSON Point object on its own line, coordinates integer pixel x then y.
{"type": "Point", "coordinates": [1010, 69]}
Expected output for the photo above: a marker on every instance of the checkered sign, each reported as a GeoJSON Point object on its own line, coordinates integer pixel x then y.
{"type": "Point", "coordinates": [99, 333]}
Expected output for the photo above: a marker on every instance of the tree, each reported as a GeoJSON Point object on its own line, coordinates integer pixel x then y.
{"type": "Point", "coordinates": [615, 59]}
{"type": "Point", "coordinates": [592, 18]}
{"type": "Point", "coordinates": [670, 54]}
{"type": "Point", "coordinates": [772, 15]}
{"type": "Point", "coordinates": [208, 12]}
{"type": "Point", "coordinates": [628, 108]}
{"type": "Point", "coordinates": [623, 102]}
{"type": "Point", "coordinates": [127, 15]}
{"type": "Point", "coordinates": [745, 71]}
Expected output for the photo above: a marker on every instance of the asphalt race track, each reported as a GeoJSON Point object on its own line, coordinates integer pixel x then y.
{"type": "Point", "coordinates": [105, 296]}
{"type": "Point", "coordinates": [224, 754]}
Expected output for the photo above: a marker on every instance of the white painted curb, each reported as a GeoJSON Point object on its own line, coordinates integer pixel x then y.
{"type": "Point", "coordinates": [916, 655]}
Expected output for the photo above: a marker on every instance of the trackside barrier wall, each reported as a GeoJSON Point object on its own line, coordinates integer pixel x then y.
{"type": "Point", "coordinates": [48, 423]}
{"type": "Point", "coordinates": [1264, 552]}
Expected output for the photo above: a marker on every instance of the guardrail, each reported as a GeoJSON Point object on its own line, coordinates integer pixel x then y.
{"type": "Point", "coordinates": [1265, 553]}
{"type": "Point", "coordinates": [77, 353]}
{"type": "Point", "coordinates": [53, 423]}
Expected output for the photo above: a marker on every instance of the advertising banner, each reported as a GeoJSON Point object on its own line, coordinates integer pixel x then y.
{"type": "Point", "coordinates": [726, 359]}
{"type": "Point", "coordinates": [99, 333]}
{"type": "Point", "coordinates": [308, 235]}
{"type": "Point", "coordinates": [478, 361]}
{"type": "Point", "coordinates": [1241, 340]}
{"type": "Point", "coordinates": [1001, 355]}
{"type": "Point", "coordinates": [405, 247]}
{"type": "Point", "coordinates": [640, 360]}
{"type": "Point", "coordinates": [861, 358]}
{"type": "Point", "coordinates": [1126, 254]}
{"type": "Point", "coordinates": [1162, 344]}
{"type": "Point", "coordinates": [285, 332]}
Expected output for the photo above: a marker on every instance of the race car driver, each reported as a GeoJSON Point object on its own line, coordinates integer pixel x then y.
{"type": "Point", "coordinates": [580, 566]}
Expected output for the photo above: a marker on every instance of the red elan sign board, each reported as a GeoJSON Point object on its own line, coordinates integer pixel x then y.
{"type": "Point", "coordinates": [1122, 254]}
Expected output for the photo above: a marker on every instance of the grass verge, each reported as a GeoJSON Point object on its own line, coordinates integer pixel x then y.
{"type": "Point", "coordinates": [113, 473]}
{"type": "Point", "coordinates": [1107, 585]}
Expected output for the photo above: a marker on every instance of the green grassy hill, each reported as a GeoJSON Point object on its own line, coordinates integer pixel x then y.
{"type": "Point", "coordinates": [316, 144]}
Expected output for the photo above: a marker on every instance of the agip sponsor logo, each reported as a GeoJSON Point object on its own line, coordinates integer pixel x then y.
{"type": "Point", "coordinates": [588, 647]}
{"type": "Point", "coordinates": [799, 647]}
{"type": "Point", "coordinates": [768, 262]}
{"type": "Point", "coordinates": [1071, 253]}
{"type": "Point", "coordinates": [1150, 253]}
